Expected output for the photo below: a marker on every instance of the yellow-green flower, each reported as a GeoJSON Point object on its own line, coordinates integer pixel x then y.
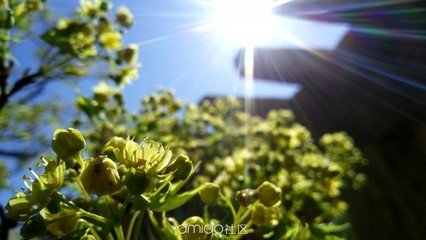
{"type": "Point", "coordinates": [150, 157]}
{"type": "Point", "coordinates": [90, 8]}
{"type": "Point", "coordinates": [82, 43]}
{"type": "Point", "coordinates": [332, 186]}
{"type": "Point", "coordinates": [262, 216]}
{"type": "Point", "coordinates": [63, 23]}
{"type": "Point", "coordinates": [127, 74]}
{"type": "Point", "coordinates": [111, 40]}
{"type": "Point", "coordinates": [38, 192]}
{"type": "Point", "coordinates": [103, 92]}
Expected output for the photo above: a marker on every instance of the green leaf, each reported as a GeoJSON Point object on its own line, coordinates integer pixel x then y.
{"type": "Point", "coordinates": [176, 200]}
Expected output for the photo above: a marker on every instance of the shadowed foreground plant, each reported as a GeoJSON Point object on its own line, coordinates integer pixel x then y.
{"type": "Point", "coordinates": [142, 175]}
{"type": "Point", "coordinates": [137, 190]}
{"type": "Point", "coordinates": [257, 178]}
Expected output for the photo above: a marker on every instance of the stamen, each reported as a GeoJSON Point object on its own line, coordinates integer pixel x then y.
{"type": "Point", "coordinates": [34, 173]}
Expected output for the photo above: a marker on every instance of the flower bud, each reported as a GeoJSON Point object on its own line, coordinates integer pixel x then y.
{"type": "Point", "coordinates": [124, 17]}
{"type": "Point", "coordinates": [245, 197]}
{"type": "Point", "coordinates": [100, 176]}
{"type": "Point", "coordinates": [115, 142]}
{"type": "Point", "coordinates": [67, 143]}
{"type": "Point", "coordinates": [209, 193]}
{"type": "Point", "coordinates": [137, 182]}
{"type": "Point", "coordinates": [105, 5]}
{"type": "Point", "coordinates": [34, 227]}
{"type": "Point", "coordinates": [192, 229]}
{"type": "Point", "coordinates": [129, 54]}
{"type": "Point", "coordinates": [268, 194]}
{"type": "Point", "coordinates": [54, 206]}
{"type": "Point", "coordinates": [33, 5]}
{"type": "Point", "coordinates": [182, 167]}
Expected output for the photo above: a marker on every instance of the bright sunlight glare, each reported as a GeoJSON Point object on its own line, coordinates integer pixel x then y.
{"type": "Point", "coordinates": [244, 22]}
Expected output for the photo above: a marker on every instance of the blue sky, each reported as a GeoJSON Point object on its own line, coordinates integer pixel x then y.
{"type": "Point", "coordinates": [193, 63]}
{"type": "Point", "coordinates": [198, 63]}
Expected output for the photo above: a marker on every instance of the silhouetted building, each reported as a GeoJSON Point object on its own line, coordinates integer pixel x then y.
{"type": "Point", "coordinates": [374, 87]}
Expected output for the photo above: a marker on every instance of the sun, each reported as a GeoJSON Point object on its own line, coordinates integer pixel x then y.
{"type": "Point", "coordinates": [244, 22]}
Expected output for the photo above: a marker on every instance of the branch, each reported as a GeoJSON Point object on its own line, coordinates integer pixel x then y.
{"type": "Point", "coordinates": [24, 81]}
{"type": "Point", "coordinates": [20, 84]}
{"type": "Point", "coordinates": [36, 90]}
{"type": "Point", "coordinates": [4, 75]}
{"type": "Point", "coordinates": [16, 154]}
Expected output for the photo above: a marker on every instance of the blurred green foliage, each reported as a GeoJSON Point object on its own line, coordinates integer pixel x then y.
{"type": "Point", "coordinates": [67, 49]}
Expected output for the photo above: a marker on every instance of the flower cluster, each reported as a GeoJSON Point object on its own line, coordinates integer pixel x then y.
{"type": "Point", "coordinates": [265, 172]}
{"type": "Point", "coordinates": [93, 33]}
{"type": "Point", "coordinates": [147, 176]}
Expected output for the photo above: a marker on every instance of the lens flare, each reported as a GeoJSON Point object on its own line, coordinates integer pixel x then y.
{"type": "Point", "coordinates": [244, 22]}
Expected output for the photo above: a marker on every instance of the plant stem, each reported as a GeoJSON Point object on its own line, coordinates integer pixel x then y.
{"type": "Point", "coordinates": [124, 205]}
{"type": "Point", "coordinates": [138, 227]}
{"type": "Point", "coordinates": [98, 219]}
{"type": "Point", "coordinates": [95, 217]}
{"type": "Point", "coordinates": [229, 203]}
{"type": "Point", "coordinates": [116, 218]}
{"type": "Point", "coordinates": [119, 231]}
{"type": "Point", "coordinates": [132, 223]}
{"type": "Point", "coordinates": [94, 233]}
